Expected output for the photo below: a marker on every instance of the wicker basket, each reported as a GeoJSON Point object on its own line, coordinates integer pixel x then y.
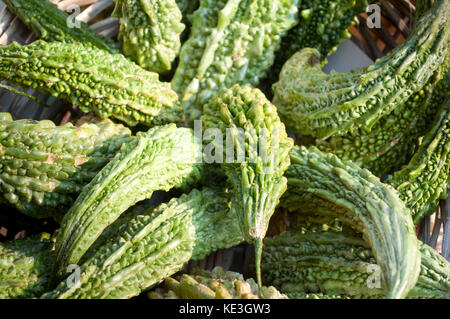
{"type": "Point", "coordinates": [396, 22]}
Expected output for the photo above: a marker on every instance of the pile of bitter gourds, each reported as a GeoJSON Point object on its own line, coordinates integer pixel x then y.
{"type": "Point", "coordinates": [223, 146]}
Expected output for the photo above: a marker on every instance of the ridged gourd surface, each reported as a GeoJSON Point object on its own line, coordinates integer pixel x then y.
{"type": "Point", "coordinates": [322, 184]}
{"type": "Point", "coordinates": [322, 105]}
{"type": "Point", "coordinates": [150, 32]}
{"type": "Point", "coordinates": [93, 79]}
{"type": "Point", "coordinates": [44, 167]}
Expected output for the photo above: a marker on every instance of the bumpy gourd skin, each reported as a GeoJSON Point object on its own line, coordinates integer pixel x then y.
{"type": "Point", "coordinates": [51, 24]}
{"type": "Point", "coordinates": [155, 244]}
{"type": "Point", "coordinates": [322, 25]}
{"type": "Point", "coordinates": [43, 167]}
{"type": "Point", "coordinates": [424, 180]}
{"type": "Point", "coordinates": [321, 183]}
{"type": "Point", "coordinates": [160, 159]}
{"type": "Point", "coordinates": [231, 42]}
{"type": "Point", "coordinates": [150, 32]}
{"type": "Point", "coordinates": [339, 265]}
{"type": "Point", "coordinates": [214, 284]}
{"type": "Point", "coordinates": [106, 84]}
{"type": "Point", "coordinates": [25, 266]}
{"type": "Point", "coordinates": [260, 156]}
{"type": "Point", "coordinates": [313, 103]}
{"type": "Point", "coordinates": [393, 139]}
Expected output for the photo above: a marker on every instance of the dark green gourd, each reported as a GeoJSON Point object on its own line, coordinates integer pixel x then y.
{"type": "Point", "coordinates": [107, 84]}
{"type": "Point", "coordinates": [231, 42]}
{"type": "Point", "coordinates": [322, 184]}
{"type": "Point", "coordinates": [43, 167]}
{"type": "Point", "coordinates": [160, 159]}
{"type": "Point", "coordinates": [394, 138]}
{"type": "Point", "coordinates": [339, 265]}
{"type": "Point", "coordinates": [154, 244]}
{"type": "Point", "coordinates": [25, 266]}
{"type": "Point", "coordinates": [423, 182]}
{"type": "Point", "coordinates": [259, 159]}
{"type": "Point", "coordinates": [150, 32]}
{"type": "Point", "coordinates": [322, 25]}
{"type": "Point", "coordinates": [51, 24]}
{"type": "Point", "coordinates": [322, 105]}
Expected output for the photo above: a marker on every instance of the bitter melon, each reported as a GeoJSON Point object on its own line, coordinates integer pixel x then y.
{"type": "Point", "coordinates": [44, 167]}
{"type": "Point", "coordinates": [25, 266]}
{"type": "Point", "coordinates": [231, 42]}
{"type": "Point", "coordinates": [322, 25]}
{"type": "Point", "coordinates": [51, 24]}
{"type": "Point", "coordinates": [107, 84]}
{"type": "Point", "coordinates": [215, 284]}
{"type": "Point", "coordinates": [335, 264]}
{"type": "Point", "coordinates": [313, 103]}
{"type": "Point", "coordinates": [150, 32]}
{"type": "Point", "coordinates": [424, 180]}
{"type": "Point", "coordinates": [256, 135]}
{"type": "Point", "coordinates": [323, 184]}
{"type": "Point", "coordinates": [154, 245]}
{"type": "Point", "coordinates": [160, 159]}
{"type": "Point", "coordinates": [393, 139]}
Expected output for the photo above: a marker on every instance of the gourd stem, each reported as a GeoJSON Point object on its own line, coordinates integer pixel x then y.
{"type": "Point", "coordinates": [258, 252]}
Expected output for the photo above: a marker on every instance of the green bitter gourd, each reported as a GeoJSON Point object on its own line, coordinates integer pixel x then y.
{"type": "Point", "coordinates": [231, 42]}
{"type": "Point", "coordinates": [51, 24]}
{"type": "Point", "coordinates": [393, 139]}
{"type": "Point", "coordinates": [153, 245]}
{"type": "Point", "coordinates": [107, 84]}
{"type": "Point", "coordinates": [160, 159]}
{"type": "Point", "coordinates": [150, 32]}
{"type": "Point", "coordinates": [322, 184]}
{"type": "Point", "coordinates": [314, 103]}
{"type": "Point", "coordinates": [25, 266]}
{"type": "Point", "coordinates": [322, 25]}
{"type": "Point", "coordinates": [424, 180]}
{"type": "Point", "coordinates": [335, 264]}
{"type": "Point", "coordinates": [259, 159]}
{"type": "Point", "coordinates": [43, 167]}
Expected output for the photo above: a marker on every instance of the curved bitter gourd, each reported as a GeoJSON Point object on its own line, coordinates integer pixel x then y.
{"type": "Point", "coordinates": [322, 183]}
{"type": "Point", "coordinates": [51, 24]}
{"type": "Point", "coordinates": [160, 159]}
{"type": "Point", "coordinates": [25, 266]}
{"type": "Point", "coordinates": [335, 264]}
{"type": "Point", "coordinates": [314, 103]}
{"type": "Point", "coordinates": [231, 42]}
{"type": "Point", "coordinates": [107, 84]}
{"type": "Point", "coordinates": [424, 180]}
{"type": "Point", "coordinates": [155, 244]}
{"type": "Point", "coordinates": [150, 32]}
{"type": "Point", "coordinates": [393, 139]}
{"type": "Point", "coordinates": [214, 284]}
{"type": "Point", "coordinates": [251, 123]}
{"type": "Point", "coordinates": [43, 167]}
{"type": "Point", "coordinates": [322, 25]}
